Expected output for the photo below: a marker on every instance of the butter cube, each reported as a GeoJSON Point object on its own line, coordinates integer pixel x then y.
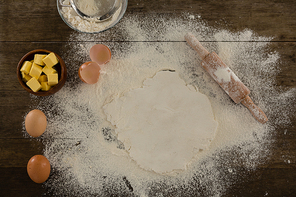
{"type": "Point", "coordinates": [35, 71]}
{"type": "Point", "coordinates": [38, 59]}
{"type": "Point", "coordinates": [53, 79]}
{"type": "Point", "coordinates": [45, 86]}
{"type": "Point", "coordinates": [47, 70]}
{"type": "Point", "coordinates": [50, 60]}
{"type": "Point", "coordinates": [42, 78]}
{"type": "Point", "coordinates": [25, 77]}
{"type": "Point", "coordinates": [26, 67]}
{"type": "Point", "coordinates": [34, 84]}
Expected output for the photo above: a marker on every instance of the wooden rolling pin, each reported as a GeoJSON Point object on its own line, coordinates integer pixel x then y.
{"type": "Point", "coordinates": [222, 74]}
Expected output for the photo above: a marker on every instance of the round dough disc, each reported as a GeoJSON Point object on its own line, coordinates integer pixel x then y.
{"type": "Point", "coordinates": [164, 124]}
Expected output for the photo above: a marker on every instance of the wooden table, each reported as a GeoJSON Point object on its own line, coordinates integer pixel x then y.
{"type": "Point", "coordinates": [28, 25]}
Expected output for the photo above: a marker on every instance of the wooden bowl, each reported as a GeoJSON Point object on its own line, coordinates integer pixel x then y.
{"type": "Point", "coordinates": [60, 67]}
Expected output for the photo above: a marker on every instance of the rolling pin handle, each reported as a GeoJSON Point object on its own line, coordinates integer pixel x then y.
{"type": "Point", "coordinates": [255, 110]}
{"type": "Point", "coordinates": [195, 44]}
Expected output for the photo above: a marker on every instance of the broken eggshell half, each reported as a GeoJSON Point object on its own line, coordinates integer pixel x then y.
{"type": "Point", "coordinates": [89, 72]}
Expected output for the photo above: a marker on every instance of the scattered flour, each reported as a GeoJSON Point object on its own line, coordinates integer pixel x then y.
{"type": "Point", "coordinates": [87, 158]}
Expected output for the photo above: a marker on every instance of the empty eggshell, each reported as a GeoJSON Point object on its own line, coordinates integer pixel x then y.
{"type": "Point", "coordinates": [35, 123]}
{"type": "Point", "coordinates": [100, 54]}
{"type": "Point", "coordinates": [38, 168]}
{"type": "Point", "coordinates": [89, 72]}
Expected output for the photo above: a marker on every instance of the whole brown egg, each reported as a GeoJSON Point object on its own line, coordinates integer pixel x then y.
{"type": "Point", "coordinates": [35, 123]}
{"type": "Point", "coordinates": [38, 168]}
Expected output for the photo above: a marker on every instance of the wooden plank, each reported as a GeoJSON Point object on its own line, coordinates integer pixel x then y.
{"type": "Point", "coordinates": [9, 59]}
{"type": "Point", "coordinates": [17, 152]}
{"type": "Point", "coordinates": [16, 182]}
{"type": "Point", "coordinates": [260, 182]}
{"type": "Point", "coordinates": [267, 18]}
{"type": "Point", "coordinates": [31, 21]}
{"type": "Point", "coordinates": [266, 182]}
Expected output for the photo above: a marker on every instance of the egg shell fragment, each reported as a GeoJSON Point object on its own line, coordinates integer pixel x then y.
{"type": "Point", "coordinates": [100, 54]}
{"type": "Point", "coordinates": [89, 72]}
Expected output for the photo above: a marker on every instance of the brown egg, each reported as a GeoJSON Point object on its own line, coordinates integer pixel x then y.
{"type": "Point", "coordinates": [89, 72]}
{"type": "Point", "coordinates": [35, 123]}
{"type": "Point", "coordinates": [38, 168]}
{"type": "Point", "coordinates": [100, 54]}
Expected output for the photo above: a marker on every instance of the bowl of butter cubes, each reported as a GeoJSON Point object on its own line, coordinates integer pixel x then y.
{"type": "Point", "coordinates": [41, 72]}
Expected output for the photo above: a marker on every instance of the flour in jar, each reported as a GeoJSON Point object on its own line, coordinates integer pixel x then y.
{"type": "Point", "coordinates": [164, 124]}
{"type": "Point", "coordinates": [94, 7]}
{"type": "Point", "coordinates": [90, 25]}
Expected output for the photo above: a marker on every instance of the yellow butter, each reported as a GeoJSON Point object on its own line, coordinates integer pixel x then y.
{"type": "Point", "coordinates": [25, 77]}
{"type": "Point", "coordinates": [35, 71]}
{"type": "Point", "coordinates": [47, 70]}
{"type": "Point", "coordinates": [38, 59]}
{"type": "Point", "coordinates": [50, 60]}
{"type": "Point", "coordinates": [52, 79]}
{"type": "Point", "coordinates": [26, 67]}
{"type": "Point", "coordinates": [34, 84]}
{"type": "Point", "coordinates": [45, 86]}
{"type": "Point", "coordinates": [42, 78]}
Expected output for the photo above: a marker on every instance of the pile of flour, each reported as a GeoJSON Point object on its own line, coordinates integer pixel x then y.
{"type": "Point", "coordinates": [89, 7]}
{"type": "Point", "coordinates": [88, 159]}
{"type": "Point", "coordinates": [95, 7]}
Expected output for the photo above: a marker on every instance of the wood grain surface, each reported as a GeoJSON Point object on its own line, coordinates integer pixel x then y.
{"type": "Point", "coordinates": [28, 25]}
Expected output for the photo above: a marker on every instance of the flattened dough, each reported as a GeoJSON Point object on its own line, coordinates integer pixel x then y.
{"type": "Point", "coordinates": [163, 124]}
